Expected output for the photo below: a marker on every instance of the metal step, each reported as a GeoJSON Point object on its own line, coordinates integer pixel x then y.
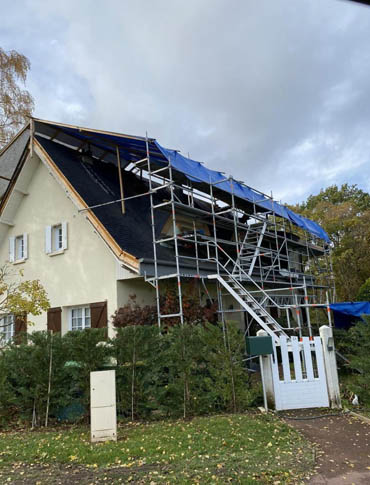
{"type": "Point", "coordinates": [251, 305]}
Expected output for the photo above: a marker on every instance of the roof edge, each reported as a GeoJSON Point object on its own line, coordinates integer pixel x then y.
{"type": "Point", "coordinates": [15, 137]}
{"type": "Point", "coordinates": [126, 258]}
{"type": "Point", "coordinates": [92, 130]}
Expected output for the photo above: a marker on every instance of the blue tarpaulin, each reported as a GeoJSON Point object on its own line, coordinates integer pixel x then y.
{"type": "Point", "coordinates": [133, 149]}
{"type": "Point", "coordinates": [345, 314]}
{"type": "Point", "coordinates": [197, 172]}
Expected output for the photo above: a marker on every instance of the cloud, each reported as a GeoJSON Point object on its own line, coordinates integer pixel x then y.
{"type": "Point", "coordinates": [275, 93]}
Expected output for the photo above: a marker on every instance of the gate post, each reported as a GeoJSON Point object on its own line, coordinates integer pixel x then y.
{"type": "Point", "coordinates": [330, 361]}
{"type": "Point", "coordinates": [266, 371]}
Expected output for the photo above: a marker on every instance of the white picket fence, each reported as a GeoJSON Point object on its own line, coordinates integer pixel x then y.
{"type": "Point", "coordinates": [298, 374]}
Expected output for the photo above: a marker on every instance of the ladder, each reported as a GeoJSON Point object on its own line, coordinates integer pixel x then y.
{"type": "Point", "coordinates": [250, 248]}
{"type": "Point", "coordinates": [251, 305]}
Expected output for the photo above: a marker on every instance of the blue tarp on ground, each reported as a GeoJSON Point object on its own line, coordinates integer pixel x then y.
{"type": "Point", "coordinates": [196, 172]}
{"type": "Point", "coordinates": [345, 314]}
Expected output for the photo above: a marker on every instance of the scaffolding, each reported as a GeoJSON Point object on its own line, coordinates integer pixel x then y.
{"type": "Point", "coordinates": [280, 275]}
{"type": "Point", "coordinates": [238, 247]}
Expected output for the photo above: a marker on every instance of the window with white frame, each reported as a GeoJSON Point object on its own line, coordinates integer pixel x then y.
{"type": "Point", "coordinates": [56, 238]}
{"type": "Point", "coordinates": [18, 248]}
{"type": "Point", "coordinates": [6, 328]}
{"type": "Point", "coordinates": [80, 318]}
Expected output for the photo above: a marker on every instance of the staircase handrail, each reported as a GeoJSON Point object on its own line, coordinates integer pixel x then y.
{"type": "Point", "coordinates": [231, 260]}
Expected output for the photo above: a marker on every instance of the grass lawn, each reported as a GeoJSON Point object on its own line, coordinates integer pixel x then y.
{"type": "Point", "coordinates": [244, 448]}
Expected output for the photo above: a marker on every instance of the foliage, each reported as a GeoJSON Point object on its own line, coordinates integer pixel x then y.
{"type": "Point", "coordinates": [188, 370]}
{"type": "Point", "coordinates": [357, 350]}
{"type": "Point", "coordinates": [248, 448]}
{"type": "Point", "coordinates": [230, 381]}
{"type": "Point", "coordinates": [182, 386]}
{"type": "Point", "coordinates": [134, 349]}
{"type": "Point", "coordinates": [85, 351]}
{"type": "Point", "coordinates": [18, 296]}
{"type": "Point", "coordinates": [344, 212]}
{"type": "Point", "coordinates": [134, 314]}
{"type": "Point", "coordinates": [131, 313]}
{"type": "Point", "coordinates": [364, 291]}
{"type": "Point", "coordinates": [25, 381]}
{"type": "Point", "coordinates": [16, 104]}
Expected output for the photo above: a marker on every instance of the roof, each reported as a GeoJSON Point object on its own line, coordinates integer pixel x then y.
{"type": "Point", "coordinates": [130, 236]}
{"type": "Point", "coordinates": [103, 145]}
{"type": "Point", "coordinates": [9, 158]}
{"type": "Point", "coordinates": [98, 183]}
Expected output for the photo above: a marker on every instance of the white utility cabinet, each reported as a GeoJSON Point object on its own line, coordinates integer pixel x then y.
{"type": "Point", "coordinates": [103, 405]}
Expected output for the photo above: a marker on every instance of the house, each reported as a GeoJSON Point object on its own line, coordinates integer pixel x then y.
{"type": "Point", "coordinates": [98, 216]}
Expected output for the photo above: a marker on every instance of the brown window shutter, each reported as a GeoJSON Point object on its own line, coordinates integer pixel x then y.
{"type": "Point", "coordinates": [20, 328]}
{"type": "Point", "coordinates": [55, 319]}
{"type": "Point", "coordinates": [99, 315]}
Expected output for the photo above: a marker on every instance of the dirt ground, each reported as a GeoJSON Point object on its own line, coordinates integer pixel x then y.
{"type": "Point", "coordinates": [343, 446]}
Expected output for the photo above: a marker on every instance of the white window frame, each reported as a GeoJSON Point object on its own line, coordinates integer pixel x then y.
{"type": "Point", "coordinates": [17, 243]}
{"type": "Point", "coordinates": [57, 238]}
{"type": "Point", "coordinates": [7, 328]}
{"type": "Point", "coordinates": [55, 241]}
{"type": "Point", "coordinates": [85, 317]}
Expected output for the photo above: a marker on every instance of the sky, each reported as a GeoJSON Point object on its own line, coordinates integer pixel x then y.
{"type": "Point", "coordinates": [273, 92]}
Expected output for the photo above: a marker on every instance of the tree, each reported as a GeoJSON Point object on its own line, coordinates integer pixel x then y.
{"type": "Point", "coordinates": [364, 291]}
{"type": "Point", "coordinates": [19, 296]}
{"type": "Point", "coordinates": [344, 212]}
{"type": "Point", "coordinates": [16, 104]}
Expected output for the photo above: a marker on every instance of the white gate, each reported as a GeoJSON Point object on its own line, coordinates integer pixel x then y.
{"type": "Point", "coordinates": [298, 373]}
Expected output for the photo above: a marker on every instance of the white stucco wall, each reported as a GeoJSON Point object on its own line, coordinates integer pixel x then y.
{"type": "Point", "coordinates": [85, 272]}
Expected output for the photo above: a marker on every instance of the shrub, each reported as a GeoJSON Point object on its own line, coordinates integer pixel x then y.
{"type": "Point", "coordinates": [133, 314]}
{"type": "Point", "coordinates": [364, 291]}
{"type": "Point", "coordinates": [358, 353]}
{"type": "Point", "coordinates": [134, 349]}
{"type": "Point", "coordinates": [185, 371]}
{"type": "Point", "coordinates": [26, 378]}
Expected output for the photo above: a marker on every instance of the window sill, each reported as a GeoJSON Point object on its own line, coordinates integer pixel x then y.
{"type": "Point", "coordinates": [19, 261]}
{"type": "Point", "coordinates": [56, 253]}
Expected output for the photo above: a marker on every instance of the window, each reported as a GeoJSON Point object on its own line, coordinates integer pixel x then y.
{"type": "Point", "coordinates": [80, 318]}
{"type": "Point", "coordinates": [18, 248]}
{"type": "Point", "coordinates": [6, 328]}
{"type": "Point", "coordinates": [56, 238]}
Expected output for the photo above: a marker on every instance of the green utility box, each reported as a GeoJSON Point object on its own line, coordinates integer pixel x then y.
{"type": "Point", "coordinates": [259, 345]}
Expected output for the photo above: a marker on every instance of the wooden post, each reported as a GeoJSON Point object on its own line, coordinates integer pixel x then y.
{"type": "Point", "coordinates": [120, 180]}
{"type": "Point", "coordinates": [330, 361]}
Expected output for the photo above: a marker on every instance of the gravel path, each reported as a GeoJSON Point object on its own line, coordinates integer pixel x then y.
{"type": "Point", "coordinates": [343, 447]}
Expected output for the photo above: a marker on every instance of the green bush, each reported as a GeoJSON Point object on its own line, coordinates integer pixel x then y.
{"type": "Point", "coordinates": [134, 349]}
{"type": "Point", "coordinates": [186, 371]}
{"type": "Point", "coordinates": [364, 291]}
{"type": "Point", "coordinates": [358, 354]}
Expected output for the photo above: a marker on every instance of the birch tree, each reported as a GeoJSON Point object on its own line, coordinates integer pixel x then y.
{"type": "Point", "coordinates": [16, 103]}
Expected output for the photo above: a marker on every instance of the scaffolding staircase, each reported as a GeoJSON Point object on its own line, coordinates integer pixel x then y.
{"type": "Point", "coordinates": [251, 305]}
{"type": "Point", "coordinates": [232, 283]}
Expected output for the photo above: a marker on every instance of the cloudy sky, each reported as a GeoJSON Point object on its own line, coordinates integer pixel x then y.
{"type": "Point", "coordinates": [274, 92]}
